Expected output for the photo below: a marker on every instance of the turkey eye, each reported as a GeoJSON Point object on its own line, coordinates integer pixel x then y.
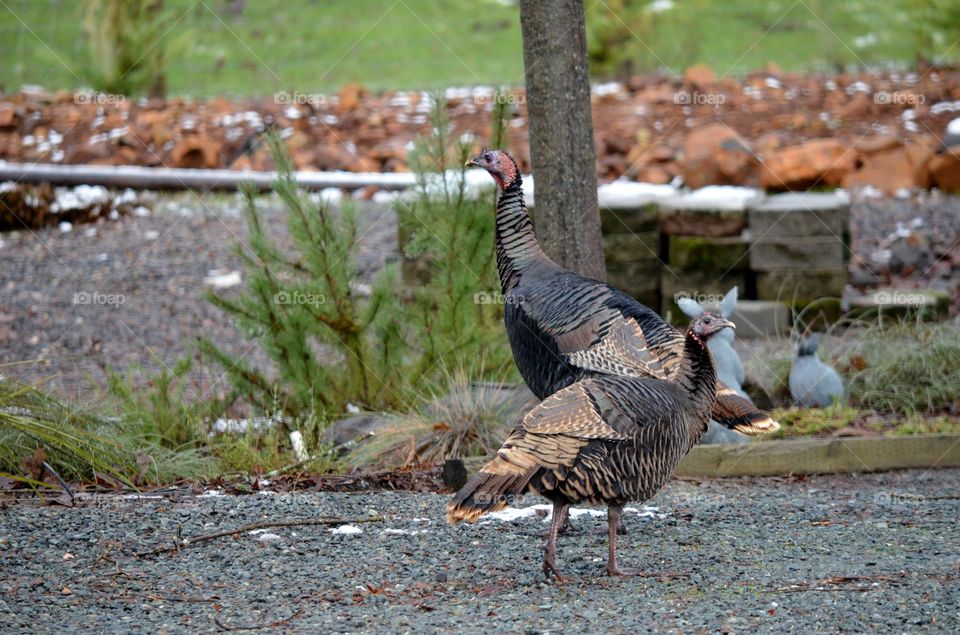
{"type": "Point", "coordinates": [488, 157]}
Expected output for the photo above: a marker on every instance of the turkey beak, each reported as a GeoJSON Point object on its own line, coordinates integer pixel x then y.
{"type": "Point", "coordinates": [723, 323]}
{"type": "Point", "coordinates": [472, 162]}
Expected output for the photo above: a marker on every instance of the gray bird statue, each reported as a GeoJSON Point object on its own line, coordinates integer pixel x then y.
{"type": "Point", "coordinates": [813, 384]}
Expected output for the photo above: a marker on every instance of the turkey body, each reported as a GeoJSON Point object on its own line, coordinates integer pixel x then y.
{"type": "Point", "coordinates": [574, 308]}
{"type": "Point", "coordinates": [654, 425]}
{"type": "Point", "coordinates": [604, 440]}
{"type": "Point", "coordinates": [564, 327]}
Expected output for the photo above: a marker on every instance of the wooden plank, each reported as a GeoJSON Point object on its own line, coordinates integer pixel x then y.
{"type": "Point", "coordinates": [822, 456]}
{"type": "Point", "coordinates": [812, 456]}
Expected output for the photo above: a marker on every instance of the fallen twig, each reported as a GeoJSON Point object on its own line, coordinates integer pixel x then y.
{"type": "Point", "coordinates": [180, 543]}
{"type": "Point", "coordinates": [250, 627]}
{"type": "Point", "coordinates": [838, 583]}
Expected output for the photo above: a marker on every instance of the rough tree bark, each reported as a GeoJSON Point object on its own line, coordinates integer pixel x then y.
{"type": "Point", "coordinates": [561, 133]}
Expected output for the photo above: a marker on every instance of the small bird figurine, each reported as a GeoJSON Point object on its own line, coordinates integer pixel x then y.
{"type": "Point", "coordinates": [813, 384]}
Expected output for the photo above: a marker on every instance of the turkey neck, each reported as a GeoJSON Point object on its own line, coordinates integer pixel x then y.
{"type": "Point", "coordinates": [698, 377]}
{"type": "Point", "coordinates": [517, 246]}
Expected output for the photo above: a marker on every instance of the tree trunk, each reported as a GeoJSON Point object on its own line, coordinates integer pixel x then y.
{"type": "Point", "coordinates": [561, 133]}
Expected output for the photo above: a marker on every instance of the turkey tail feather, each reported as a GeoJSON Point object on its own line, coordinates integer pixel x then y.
{"type": "Point", "coordinates": [734, 412]}
{"type": "Point", "coordinates": [496, 485]}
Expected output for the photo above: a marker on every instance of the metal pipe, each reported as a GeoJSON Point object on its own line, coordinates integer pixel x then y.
{"type": "Point", "coordinates": [192, 179]}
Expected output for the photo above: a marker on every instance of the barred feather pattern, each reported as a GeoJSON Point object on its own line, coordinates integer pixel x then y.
{"type": "Point", "coordinates": [604, 440]}
{"type": "Point", "coordinates": [563, 327]}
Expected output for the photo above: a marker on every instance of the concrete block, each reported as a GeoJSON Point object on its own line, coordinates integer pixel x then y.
{"type": "Point", "coordinates": [710, 211]}
{"type": "Point", "coordinates": [715, 223]}
{"type": "Point", "coordinates": [639, 280]}
{"type": "Point", "coordinates": [798, 214]}
{"type": "Point", "coordinates": [760, 318]}
{"type": "Point", "coordinates": [797, 254]}
{"type": "Point", "coordinates": [800, 287]}
{"type": "Point", "coordinates": [698, 252]}
{"type": "Point", "coordinates": [631, 220]}
{"type": "Point", "coordinates": [634, 247]}
{"type": "Point", "coordinates": [927, 304]}
{"type": "Point", "coordinates": [706, 287]}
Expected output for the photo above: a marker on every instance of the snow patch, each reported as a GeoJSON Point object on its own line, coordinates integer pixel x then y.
{"type": "Point", "coordinates": [346, 530]}
{"type": "Point", "coordinates": [403, 532]}
{"type": "Point", "coordinates": [947, 106]}
{"type": "Point", "coordinates": [223, 425]}
{"type": "Point", "coordinates": [218, 279]}
{"type": "Point", "coordinates": [511, 514]}
{"type": "Point", "coordinates": [79, 197]}
{"type": "Point", "coordinates": [624, 194]}
{"type": "Point", "coordinates": [607, 88]}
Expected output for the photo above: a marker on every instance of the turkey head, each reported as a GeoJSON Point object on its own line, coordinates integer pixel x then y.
{"type": "Point", "coordinates": [500, 165]}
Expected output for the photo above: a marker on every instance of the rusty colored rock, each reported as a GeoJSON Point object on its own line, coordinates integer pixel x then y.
{"type": "Point", "coordinates": [944, 169]}
{"type": "Point", "coordinates": [817, 162]}
{"type": "Point", "coordinates": [877, 143]}
{"type": "Point", "coordinates": [716, 155]}
{"type": "Point", "coordinates": [196, 151]}
{"type": "Point", "coordinates": [350, 96]}
{"type": "Point", "coordinates": [8, 116]}
{"type": "Point", "coordinates": [699, 74]}
{"type": "Point", "coordinates": [901, 167]}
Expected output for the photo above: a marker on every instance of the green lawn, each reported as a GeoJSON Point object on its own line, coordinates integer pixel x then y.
{"type": "Point", "coordinates": [317, 46]}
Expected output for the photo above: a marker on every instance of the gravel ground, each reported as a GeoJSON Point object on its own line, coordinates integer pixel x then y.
{"type": "Point", "coordinates": [61, 319]}
{"type": "Point", "coordinates": [875, 553]}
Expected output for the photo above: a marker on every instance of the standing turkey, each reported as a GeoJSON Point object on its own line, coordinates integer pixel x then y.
{"type": "Point", "coordinates": [607, 439]}
{"type": "Point", "coordinates": [564, 327]}
{"type": "Point", "coordinates": [729, 367]}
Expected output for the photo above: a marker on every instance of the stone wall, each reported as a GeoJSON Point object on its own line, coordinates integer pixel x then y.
{"type": "Point", "coordinates": [790, 247]}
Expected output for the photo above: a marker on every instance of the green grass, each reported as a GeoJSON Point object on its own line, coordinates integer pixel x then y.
{"type": "Point", "coordinates": [304, 46]}
{"type": "Point", "coordinates": [81, 445]}
{"type": "Point", "coordinates": [908, 368]}
{"type": "Point", "coordinates": [386, 44]}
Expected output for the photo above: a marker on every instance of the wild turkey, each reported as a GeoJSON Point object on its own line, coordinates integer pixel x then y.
{"type": "Point", "coordinates": [607, 439]}
{"type": "Point", "coordinates": [813, 384]}
{"type": "Point", "coordinates": [729, 367]}
{"type": "Point", "coordinates": [564, 327]}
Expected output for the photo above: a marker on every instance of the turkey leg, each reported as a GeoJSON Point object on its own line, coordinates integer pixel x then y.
{"type": "Point", "coordinates": [613, 524]}
{"type": "Point", "coordinates": [550, 551]}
